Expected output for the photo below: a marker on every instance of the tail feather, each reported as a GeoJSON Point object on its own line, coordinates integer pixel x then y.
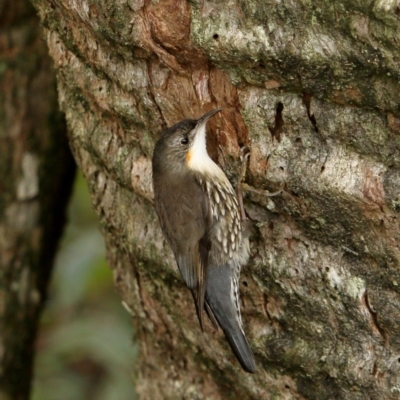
{"type": "Point", "coordinates": [211, 316]}
{"type": "Point", "coordinates": [199, 309]}
{"type": "Point", "coordinates": [220, 299]}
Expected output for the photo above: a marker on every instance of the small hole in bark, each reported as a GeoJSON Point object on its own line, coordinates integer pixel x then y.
{"type": "Point", "coordinates": [294, 194]}
{"type": "Point", "coordinates": [261, 64]}
{"type": "Point", "coordinates": [296, 271]}
{"type": "Point", "coordinates": [281, 168]}
{"type": "Point", "coordinates": [287, 386]}
{"type": "Point", "coordinates": [276, 130]}
{"type": "Point", "coordinates": [398, 360]}
{"type": "Point", "coordinates": [245, 283]}
{"type": "Point", "coordinates": [298, 140]}
{"type": "Point", "coordinates": [100, 89]}
{"type": "Point", "coordinates": [327, 376]}
{"type": "Point", "coordinates": [327, 269]}
{"type": "Point", "coordinates": [323, 168]}
{"type": "Point", "coordinates": [271, 225]}
{"type": "Point", "coordinates": [216, 36]}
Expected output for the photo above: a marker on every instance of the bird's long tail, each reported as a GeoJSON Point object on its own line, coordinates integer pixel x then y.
{"type": "Point", "coordinates": [221, 296]}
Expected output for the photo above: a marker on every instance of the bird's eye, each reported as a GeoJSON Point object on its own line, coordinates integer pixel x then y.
{"type": "Point", "coordinates": [184, 140]}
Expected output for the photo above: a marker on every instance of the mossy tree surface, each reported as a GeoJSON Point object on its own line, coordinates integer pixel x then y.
{"type": "Point", "coordinates": [36, 173]}
{"type": "Point", "coordinates": [313, 89]}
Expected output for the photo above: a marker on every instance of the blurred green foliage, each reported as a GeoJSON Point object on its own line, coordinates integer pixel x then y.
{"type": "Point", "coordinates": [84, 346]}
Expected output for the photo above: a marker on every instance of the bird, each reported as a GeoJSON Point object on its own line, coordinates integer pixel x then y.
{"type": "Point", "coordinates": [199, 214]}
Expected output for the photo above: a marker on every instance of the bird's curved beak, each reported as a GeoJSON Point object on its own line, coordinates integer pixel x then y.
{"type": "Point", "coordinates": [201, 123]}
{"type": "Point", "coordinates": [207, 116]}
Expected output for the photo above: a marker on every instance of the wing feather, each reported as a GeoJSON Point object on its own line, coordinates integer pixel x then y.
{"type": "Point", "coordinates": [185, 217]}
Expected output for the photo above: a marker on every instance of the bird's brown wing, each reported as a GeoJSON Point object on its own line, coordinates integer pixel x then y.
{"type": "Point", "coordinates": [185, 216]}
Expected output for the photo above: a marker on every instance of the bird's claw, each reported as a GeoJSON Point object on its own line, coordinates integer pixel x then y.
{"type": "Point", "coordinates": [248, 188]}
{"type": "Point", "coordinates": [244, 153]}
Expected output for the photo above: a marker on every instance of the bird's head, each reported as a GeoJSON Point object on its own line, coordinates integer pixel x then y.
{"type": "Point", "coordinates": [184, 145]}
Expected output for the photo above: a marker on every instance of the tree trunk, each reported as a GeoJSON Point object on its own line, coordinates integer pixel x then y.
{"type": "Point", "coordinates": [313, 90]}
{"type": "Point", "coordinates": [36, 173]}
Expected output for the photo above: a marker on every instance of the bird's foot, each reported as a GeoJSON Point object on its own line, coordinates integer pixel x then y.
{"type": "Point", "coordinates": [248, 188]}
{"type": "Point", "coordinates": [242, 186]}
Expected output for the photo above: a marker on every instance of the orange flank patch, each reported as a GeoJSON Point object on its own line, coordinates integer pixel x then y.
{"type": "Point", "coordinates": [189, 156]}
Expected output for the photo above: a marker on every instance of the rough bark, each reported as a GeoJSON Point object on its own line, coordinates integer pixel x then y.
{"type": "Point", "coordinates": [36, 172]}
{"type": "Point", "coordinates": [313, 88]}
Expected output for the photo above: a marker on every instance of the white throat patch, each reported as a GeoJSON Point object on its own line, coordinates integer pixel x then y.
{"type": "Point", "coordinates": [198, 159]}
